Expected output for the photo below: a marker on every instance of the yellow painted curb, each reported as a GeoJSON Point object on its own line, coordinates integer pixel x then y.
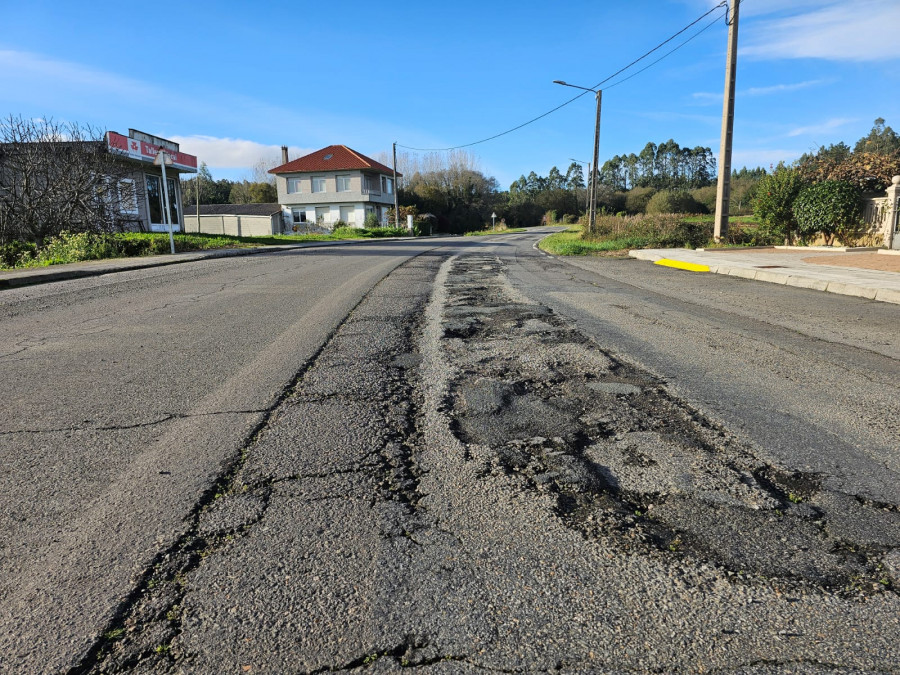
{"type": "Point", "coordinates": [690, 267]}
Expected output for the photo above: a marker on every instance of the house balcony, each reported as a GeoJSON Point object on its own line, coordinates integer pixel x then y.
{"type": "Point", "coordinates": [371, 190]}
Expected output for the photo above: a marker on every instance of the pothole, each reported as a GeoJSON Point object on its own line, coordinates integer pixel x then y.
{"type": "Point", "coordinates": [629, 465]}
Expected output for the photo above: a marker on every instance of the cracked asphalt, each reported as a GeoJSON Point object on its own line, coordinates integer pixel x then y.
{"type": "Point", "coordinates": [454, 456]}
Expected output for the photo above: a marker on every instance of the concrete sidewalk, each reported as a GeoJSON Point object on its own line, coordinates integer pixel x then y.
{"type": "Point", "coordinates": [91, 268]}
{"type": "Point", "coordinates": [874, 275]}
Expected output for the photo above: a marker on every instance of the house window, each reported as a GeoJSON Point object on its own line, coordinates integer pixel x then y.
{"type": "Point", "coordinates": [318, 184]}
{"type": "Point", "coordinates": [343, 183]}
{"type": "Point", "coordinates": [322, 213]}
{"type": "Point", "coordinates": [348, 214]}
{"type": "Point", "coordinates": [293, 186]}
{"type": "Point", "coordinates": [298, 216]}
{"type": "Point", "coordinates": [128, 196]}
{"type": "Point", "coordinates": [387, 185]}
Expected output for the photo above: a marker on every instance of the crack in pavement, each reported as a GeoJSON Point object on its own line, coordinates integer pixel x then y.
{"type": "Point", "coordinates": [148, 629]}
{"type": "Point", "coordinates": [168, 417]}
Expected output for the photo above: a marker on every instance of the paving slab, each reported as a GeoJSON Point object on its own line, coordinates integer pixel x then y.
{"type": "Point", "coordinates": [859, 273]}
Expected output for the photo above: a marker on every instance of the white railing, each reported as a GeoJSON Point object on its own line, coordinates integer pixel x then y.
{"type": "Point", "coordinates": [875, 214]}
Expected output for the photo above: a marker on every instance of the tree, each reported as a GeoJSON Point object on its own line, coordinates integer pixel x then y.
{"type": "Point", "coordinates": [774, 203]}
{"type": "Point", "coordinates": [673, 201]}
{"type": "Point", "coordinates": [555, 180]}
{"type": "Point", "coordinates": [263, 193]}
{"type": "Point", "coordinates": [211, 191]}
{"type": "Point", "coordinates": [869, 171]}
{"type": "Point", "coordinates": [449, 187]}
{"type": "Point", "coordinates": [574, 177]}
{"type": "Point", "coordinates": [240, 193]}
{"type": "Point", "coordinates": [881, 140]}
{"type": "Point", "coordinates": [61, 176]}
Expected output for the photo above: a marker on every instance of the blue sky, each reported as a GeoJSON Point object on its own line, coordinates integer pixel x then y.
{"type": "Point", "coordinates": [233, 81]}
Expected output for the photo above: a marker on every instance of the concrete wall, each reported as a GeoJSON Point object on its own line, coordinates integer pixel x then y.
{"type": "Point", "coordinates": [237, 226]}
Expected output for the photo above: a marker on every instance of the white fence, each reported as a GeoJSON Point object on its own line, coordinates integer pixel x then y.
{"type": "Point", "coordinates": [236, 226]}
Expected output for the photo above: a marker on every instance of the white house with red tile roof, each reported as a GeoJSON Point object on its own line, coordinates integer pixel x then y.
{"type": "Point", "coordinates": [333, 184]}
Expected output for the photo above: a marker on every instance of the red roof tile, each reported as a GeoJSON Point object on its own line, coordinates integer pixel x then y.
{"type": "Point", "coordinates": [332, 158]}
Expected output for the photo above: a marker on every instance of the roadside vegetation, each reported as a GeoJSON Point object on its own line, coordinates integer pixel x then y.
{"type": "Point", "coordinates": [69, 247]}
{"type": "Point", "coordinates": [499, 230]}
{"type": "Point", "coordinates": [815, 200]}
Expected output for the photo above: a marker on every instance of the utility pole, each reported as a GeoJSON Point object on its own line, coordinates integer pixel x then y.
{"type": "Point", "coordinates": [396, 198]}
{"type": "Point", "coordinates": [723, 191]}
{"type": "Point", "coordinates": [592, 220]}
{"type": "Point", "coordinates": [592, 210]}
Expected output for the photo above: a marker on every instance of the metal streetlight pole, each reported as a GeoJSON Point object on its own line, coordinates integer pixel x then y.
{"type": "Point", "coordinates": [593, 205]}
{"type": "Point", "coordinates": [587, 193]}
{"type": "Point", "coordinates": [162, 159]}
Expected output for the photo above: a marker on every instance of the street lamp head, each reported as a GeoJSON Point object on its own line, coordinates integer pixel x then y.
{"type": "Point", "coordinates": [560, 82]}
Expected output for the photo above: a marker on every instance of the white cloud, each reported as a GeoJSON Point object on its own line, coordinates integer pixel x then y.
{"type": "Point", "coordinates": [781, 88]}
{"type": "Point", "coordinates": [33, 70]}
{"type": "Point", "coordinates": [823, 128]}
{"type": "Point", "coordinates": [231, 153]}
{"type": "Point", "coordinates": [862, 30]}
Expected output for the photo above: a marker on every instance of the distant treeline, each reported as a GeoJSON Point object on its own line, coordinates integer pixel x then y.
{"type": "Point", "coordinates": [666, 166]}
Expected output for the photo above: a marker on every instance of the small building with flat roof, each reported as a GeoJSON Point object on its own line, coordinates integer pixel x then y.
{"type": "Point", "coordinates": [141, 194]}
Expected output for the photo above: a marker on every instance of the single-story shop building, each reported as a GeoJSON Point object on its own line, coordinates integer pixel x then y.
{"type": "Point", "coordinates": [141, 193]}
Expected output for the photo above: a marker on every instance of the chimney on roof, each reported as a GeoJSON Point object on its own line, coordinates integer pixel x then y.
{"type": "Point", "coordinates": [284, 157]}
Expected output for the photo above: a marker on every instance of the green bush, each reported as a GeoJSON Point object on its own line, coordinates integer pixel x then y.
{"type": "Point", "coordinates": [16, 252]}
{"type": "Point", "coordinates": [371, 221]}
{"type": "Point", "coordinates": [636, 199]}
{"type": "Point", "coordinates": [774, 202]}
{"type": "Point", "coordinates": [390, 231]}
{"type": "Point", "coordinates": [706, 196]}
{"type": "Point", "coordinates": [831, 208]}
{"type": "Point", "coordinates": [673, 201]}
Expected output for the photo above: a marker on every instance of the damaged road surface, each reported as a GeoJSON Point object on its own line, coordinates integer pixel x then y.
{"type": "Point", "coordinates": [488, 466]}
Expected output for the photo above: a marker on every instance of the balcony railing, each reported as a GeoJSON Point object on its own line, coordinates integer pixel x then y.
{"type": "Point", "coordinates": [371, 190]}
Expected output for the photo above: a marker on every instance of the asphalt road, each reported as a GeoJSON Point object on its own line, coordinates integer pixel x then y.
{"type": "Point", "coordinates": [456, 455]}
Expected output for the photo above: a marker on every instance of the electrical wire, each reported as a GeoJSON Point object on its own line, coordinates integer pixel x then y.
{"type": "Point", "coordinates": [584, 93]}
{"type": "Point", "coordinates": [697, 34]}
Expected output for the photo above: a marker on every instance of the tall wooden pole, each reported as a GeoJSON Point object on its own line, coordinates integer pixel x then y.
{"type": "Point", "coordinates": [593, 208]}
{"type": "Point", "coordinates": [723, 191]}
{"type": "Point", "coordinates": [396, 197]}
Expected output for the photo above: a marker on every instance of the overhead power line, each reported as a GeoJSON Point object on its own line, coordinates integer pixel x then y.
{"type": "Point", "coordinates": [578, 96]}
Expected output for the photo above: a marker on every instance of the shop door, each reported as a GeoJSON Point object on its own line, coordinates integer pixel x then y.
{"type": "Point", "coordinates": [156, 203]}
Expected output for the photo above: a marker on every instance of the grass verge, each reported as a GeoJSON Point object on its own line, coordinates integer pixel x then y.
{"type": "Point", "coordinates": [571, 243]}
{"type": "Point", "coordinates": [69, 247]}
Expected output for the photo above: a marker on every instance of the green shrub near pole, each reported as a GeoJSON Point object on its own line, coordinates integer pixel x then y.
{"type": "Point", "coordinates": [774, 202]}
{"type": "Point", "coordinates": [831, 207]}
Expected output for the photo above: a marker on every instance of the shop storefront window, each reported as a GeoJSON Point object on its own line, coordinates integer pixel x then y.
{"type": "Point", "coordinates": [157, 200]}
